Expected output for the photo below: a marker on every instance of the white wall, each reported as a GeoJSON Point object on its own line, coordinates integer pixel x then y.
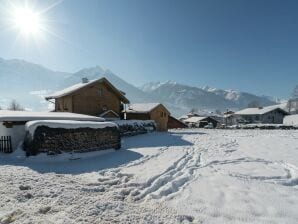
{"type": "Point", "coordinates": [17, 133]}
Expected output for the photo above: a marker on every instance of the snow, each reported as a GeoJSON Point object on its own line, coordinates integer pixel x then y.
{"type": "Point", "coordinates": [194, 119]}
{"type": "Point", "coordinates": [291, 120]}
{"type": "Point", "coordinates": [133, 122]}
{"type": "Point", "coordinates": [66, 124]}
{"type": "Point", "coordinates": [184, 176]}
{"type": "Point", "coordinates": [258, 111]}
{"type": "Point", "coordinates": [70, 89]}
{"type": "Point", "coordinates": [81, 85]}
{"type": "Point", "coordinates": [142, 107]}
{"type": "Point", "coordinates": [7, 115]}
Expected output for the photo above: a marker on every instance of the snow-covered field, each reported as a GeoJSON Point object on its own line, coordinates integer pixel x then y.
{"type": "Point", "coordinates": [184, 176]}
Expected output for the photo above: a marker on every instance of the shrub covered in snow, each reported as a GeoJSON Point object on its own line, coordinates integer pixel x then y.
{"type": "Point", "coordinates": [291, 120]}
{"type": "Point", "coordinates": [135, 127]}
{"type": "Point", "coordinates": [54, 137]}
{"type": "Point", "coordinates": [262, 126]}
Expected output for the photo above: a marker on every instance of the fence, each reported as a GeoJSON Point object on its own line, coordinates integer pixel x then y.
{"type": "Point", "coordinates": [5, 144]}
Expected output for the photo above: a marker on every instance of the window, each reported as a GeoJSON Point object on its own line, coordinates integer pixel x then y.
{"type": "Point", "coordinates": [104, 107]}
{"type": "Point", "coordinates": [161, 114]}
{"type": "Point", "coordinates": [100, 92]}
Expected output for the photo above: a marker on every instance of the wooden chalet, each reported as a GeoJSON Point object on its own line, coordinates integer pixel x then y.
{"type": "Point", "coordinates": [97, 98]}
{"type": "Point", "coordinates": [149, 111]}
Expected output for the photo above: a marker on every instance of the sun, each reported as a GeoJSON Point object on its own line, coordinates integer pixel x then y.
{"type": "Point", "coordinates": [27, 21]}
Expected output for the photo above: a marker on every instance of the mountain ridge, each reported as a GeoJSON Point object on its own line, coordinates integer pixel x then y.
{"type": "Point", "coordinates": [28, 83]}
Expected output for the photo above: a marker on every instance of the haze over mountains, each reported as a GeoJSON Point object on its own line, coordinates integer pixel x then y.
{"type": "Point", "coordinates": [28, 83]}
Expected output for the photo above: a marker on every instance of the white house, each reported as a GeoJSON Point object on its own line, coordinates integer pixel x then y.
{"type": "Point", "coordinates": [12, 123]}
{"type": "Point", "coordinates": [262, 115]}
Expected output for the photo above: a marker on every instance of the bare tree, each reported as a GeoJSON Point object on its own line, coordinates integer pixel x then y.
{"type": "Point", "coordinates": [193, 110]}
{"type": "Point", "coordinates": [289, 105]}
{"type": "Point", "coordinates": [292, 104]}
{"type": "Point", "coordinates": [295, 93]}
{"type": "Point", "coordinates": [218, 111]}
{"type": "Point", "coordinates": [253, 104]}
{"type": "Point", "coordinates": [14, 105]}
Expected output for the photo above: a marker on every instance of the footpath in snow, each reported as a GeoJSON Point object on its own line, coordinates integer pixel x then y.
{"type": "Point", "coordinates": [184, 176]}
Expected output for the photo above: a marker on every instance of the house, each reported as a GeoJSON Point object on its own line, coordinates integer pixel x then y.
{"type": "Point", "coordinates": [175, 123]}
{"type": "Point", "coordinates": [12, 124]}
{"type": "Point", "coordinates": [200, 122]}
{"type": "Point", "coordinates": [97, 98]}
{"type": "Point", "coordinates": [149, 111]}
{"type": "Point", "coordinates": [264, 115]}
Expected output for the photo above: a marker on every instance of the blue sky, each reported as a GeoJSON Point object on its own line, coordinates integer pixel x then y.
{"type": "Point", "coordinates": [250, 45]}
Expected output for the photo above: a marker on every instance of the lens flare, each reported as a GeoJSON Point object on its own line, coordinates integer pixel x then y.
{"type": "Point", "coordinates": [26, 21]}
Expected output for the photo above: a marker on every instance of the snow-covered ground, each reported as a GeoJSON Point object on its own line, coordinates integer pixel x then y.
{"type": "Point", "coordinates": [198, 176]}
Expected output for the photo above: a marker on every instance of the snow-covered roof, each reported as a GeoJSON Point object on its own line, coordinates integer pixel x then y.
{"type": "Point", "coordinates": [107, 112]}
{"type": "Point", "coordinates": [259, 111]}
{"type": "Point", "coordinates": [78, 86]}
{"type": "Point", "coordinates": [32, 125]}
{"type": "Point", "coordinates": [7, 115]}
{"type": "Point", "coordinates": [141, 107]}
{"type": "Point", "coordinates": [194, 119]}
{"type": "Point", "coordinates": [183, 117]}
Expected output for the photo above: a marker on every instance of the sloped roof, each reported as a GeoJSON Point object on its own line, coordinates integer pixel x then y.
{"type": "Point", "coordinates": [141, 107]}
{"type": "Point", "coordinates": [7, 115]}
{"type": "Point", "coordinates": [107, 112]}
{"type": "Point", "coordinates": [69, 90]}
{"type": "Point", "coordinates": [259, 111]}
{"type": "Point", "coordinates": [194, 119]}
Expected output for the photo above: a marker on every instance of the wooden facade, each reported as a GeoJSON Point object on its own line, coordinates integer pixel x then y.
{"type": "Point", "coordinates": [175, 123]}
{"type": "Point", "coordinates": [93, 98]}
{"type": "Point", "coordinates": [159, 114]}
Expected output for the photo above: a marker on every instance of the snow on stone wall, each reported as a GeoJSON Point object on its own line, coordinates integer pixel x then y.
{"type": "Point", "coordinates": [67, 124]}
{"type": "Point", "coordinates": [135, 127]}
{"type": "Point", "coordinates": [54, 137]}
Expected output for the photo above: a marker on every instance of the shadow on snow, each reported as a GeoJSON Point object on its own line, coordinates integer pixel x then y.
{"type": "Point", "coordinates": [128, 153]}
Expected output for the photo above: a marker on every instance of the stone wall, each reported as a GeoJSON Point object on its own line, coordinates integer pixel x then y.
{"type": "Point", "coordinates": [135, 127]}
{"type": "Point", "coordinates": [57, 140]}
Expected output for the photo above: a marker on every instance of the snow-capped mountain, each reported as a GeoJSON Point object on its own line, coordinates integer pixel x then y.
{"type": "Point", "coordinates": [133, 93]}
{"type": "Point", "coordinates": [241, 99]}
{"type": "Point", "coordinates": [205, 98]}
{"type": "Point", "coordinates": [28, 83]}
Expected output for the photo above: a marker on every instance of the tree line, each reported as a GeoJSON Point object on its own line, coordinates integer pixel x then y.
{"type": "Point", "coordinates": [14, 106]}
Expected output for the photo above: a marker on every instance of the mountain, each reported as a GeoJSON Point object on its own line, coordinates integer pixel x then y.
{"type": "Point", "coordinates": [133, 93]}
{"type": "Point", "coordinates": [241, 99]}
{"type": "Point", "coordinates": [188, 97]}
{"type": "Point", "coordinates": [28, 83]}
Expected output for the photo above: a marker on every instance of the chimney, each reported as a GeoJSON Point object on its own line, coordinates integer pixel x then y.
{"type": "Point", "coordinates": [85, 80]}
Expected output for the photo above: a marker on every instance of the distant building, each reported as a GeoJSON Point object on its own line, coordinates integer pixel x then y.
{"type": "Point", "coordinates": [149, 111]}
{"type": "Point", "coordinates": [200, 122]}
{"type": "Point", "coordinates": [97, 98]}
{"type": "Point", "coordinates": [264, 115]}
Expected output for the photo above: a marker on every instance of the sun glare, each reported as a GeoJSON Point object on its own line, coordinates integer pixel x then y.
{"type": "Point", "coordinates": [26, 21]}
